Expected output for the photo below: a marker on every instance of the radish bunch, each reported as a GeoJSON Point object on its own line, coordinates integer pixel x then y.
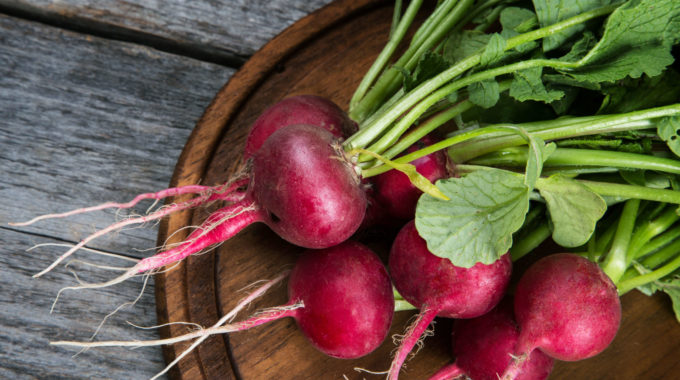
{"type": "Point", "coordinates": [482, 348]}
{"type": "Point", "coordinates": [316, 176]}
{"type": "Point", "coordinates": [438, 288]}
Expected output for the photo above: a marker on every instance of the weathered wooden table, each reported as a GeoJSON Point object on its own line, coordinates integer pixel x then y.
{"type": "Point", "coordinates": [97, 99]}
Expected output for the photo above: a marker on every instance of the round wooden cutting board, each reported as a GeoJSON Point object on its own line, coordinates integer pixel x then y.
{"type": "Point", "coordinates": [326, 54]}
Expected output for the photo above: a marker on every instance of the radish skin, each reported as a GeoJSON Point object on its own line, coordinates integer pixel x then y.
{"type": "Point", "coordinates": [567, 307]}
{"type": "Point", "coordinates": [300, 109]}
{"type": "Point", "coordinates": [483, 347]}
{"type": "Point", "coordinates": [438, 288]}
{"type": "Point", "coordinates": [396, 195]}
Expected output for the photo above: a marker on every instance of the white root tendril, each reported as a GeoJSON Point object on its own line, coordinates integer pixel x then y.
{"type": "Point", "coordinates": [83, 285]}
{"type": "Point", "coordinates": [364, 370]}
{"type": "Point", "coordinates": [98, 266]}
{"type": "Point", "coordinates": [126, 304]}
{"type": "Point", "coordinates": [397, 339]}
{"type": "Point", "coordinates": [206, 194]}
{"type": "Point", "coordinates": [201, 334]}
{"type": "Point", "coordinates": [191, 190]}
{"type": "Point", "coordinates": [195, 325]}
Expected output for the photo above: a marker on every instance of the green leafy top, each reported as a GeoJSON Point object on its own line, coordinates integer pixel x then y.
{"type": "Point", "coordinates": [637, 40]}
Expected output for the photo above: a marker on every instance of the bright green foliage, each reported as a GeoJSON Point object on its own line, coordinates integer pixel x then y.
{"type": "Point", "coordinates": [552, 11]}
{"type": "Point", "coordinates": [493, 51]}
{"type": "Point", "coordinates": [515, 21]}
{"type": "Point", "coordinates": [464, 44]}
{"type": "Point", "coordinates": [637, 40]}
{"type": "Point", "coordinates": [528, 85]}
{"type": "Point", "coordinates": [476, 225]}
{"type": "Point", "coordinates": [574, 209]}
{"type": "Point", "coordinates": [429, 65]}
{"type": "Point", "coordinates": [484, 94]}
{"type": "Point", "coordinates": [668, 129]}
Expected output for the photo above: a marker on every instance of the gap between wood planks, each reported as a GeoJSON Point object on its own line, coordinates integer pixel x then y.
{"type": "Point", "coordinates": [65, 241]}
{"type": "Point", "coordinates": [83, 25]}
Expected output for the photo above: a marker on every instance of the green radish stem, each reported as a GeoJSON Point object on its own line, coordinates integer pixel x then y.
{"type": "Point", "coordinates": [658, 242]}
{"type": "Point", "coordinates": [534, 232]}
{"type": "Point", "coordinates": [565, 128]}
{"type": "Point", "coordinates": [530, 241]}
{"type": "Point", "coordinates": [628, 285]}
{"type": "Point", "coordinates": [517, 156]}
{"type": "Point", "coordinates": [367, 134]}
{"type": "Point", "coordinates": [632, 191]}
{"type": "Point", "coordinates": [447, 15]}
{"type": "Point", "coordinates": [615, 263]}
{"type": "Point", "coordinates": [433, 123]}
{"type": "Point", "coordinates": [559, 129]}
{"type": "Point", "coordinates": [662, 255]}
{"type": "Point", "coordinates": [396, 35]}
{"type": "Point", "coordinates": [649, 230]}
{"type": "Point", "coordinates": [396, 16]}
{"type": "Point", "coordinates": [654, 260]}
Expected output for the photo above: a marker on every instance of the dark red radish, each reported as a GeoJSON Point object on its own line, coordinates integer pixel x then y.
{"type": "Point", "coordinates": [309, 193]}
{"type": "Point", "coordinates": [341, 298]}
{"type": "Point", "coordinates": [483, 347]}
{"type": "Point", "coordinates": [348, 298]}
{"type": "Point", "coordinates": [300, 109]}
{"type": "Point", "coordinates": [567, 307]}
{"type": "Point", "coordinates": [301, 186]}
{"type": "Point", "coordinates": [438, 288]}
{"type": "Point", "coordinates": [396, 195]}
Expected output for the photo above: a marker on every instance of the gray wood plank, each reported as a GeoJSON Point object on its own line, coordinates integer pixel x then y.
{"type": "Point", "coordinates": [238, 27]}
{"type": "Point", "coordinates": [27, 327]}
{"type": "Point", "coordinates": [86, 120]}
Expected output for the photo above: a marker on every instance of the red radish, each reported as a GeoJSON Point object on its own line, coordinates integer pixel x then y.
{"type": "Point", "coordinates": [438, 288]}
{"type": "Point", "coordinates": [300, 109]}
{"type": "Point", "coordinates": [483, 346]}
{"type": "Point", "coordinates": [341, 298]}
{"type": "Point", "coordinates": [310, 195]}
{"type": "Point", "coordinates": [567, 307]}
{"type": "Point", "coordinates": [396, 195]}
{"type": "Point", "coordinates": [301, 186]}
{"type": "Point", "coordinates": [391, 196]}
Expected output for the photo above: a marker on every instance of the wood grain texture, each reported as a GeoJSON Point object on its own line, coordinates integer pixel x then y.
{"type": "Point", "coordinates": [27, 327]}
{"type": "Point", "coordinates": [83, 120]}
{"type": "Point", "coordinates": [235, 27]}
{"type": "Point", "coordinates": [86, 120]}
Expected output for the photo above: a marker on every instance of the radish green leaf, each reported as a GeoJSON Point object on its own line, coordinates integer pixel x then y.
{"type": "Point", "coordinates": [476, 225]}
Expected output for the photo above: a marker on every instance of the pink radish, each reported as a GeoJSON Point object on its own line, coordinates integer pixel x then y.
{"type": "Point", "coordinates": [483, 346]}
{"type": "Point", "coordinates": [341, 298]}
{"type": "Point", "coordinates": [438, 288]}
{"type": "Point", "coordinates": [301, 186]}
{"type": "Point", "coordinates": [300, 109]}
{"type": "Point", "coordinates": [567, 307]}
{"type": "Point", "coordinates": [396, 196]}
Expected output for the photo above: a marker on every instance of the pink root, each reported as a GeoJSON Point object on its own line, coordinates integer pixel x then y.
{"type": "Point", "coordinates": [221, 192]}
{"type": "Point", "coordinates": [514, 369]}
{"type": "Point", "coordinates": [449, 372]}
{"type": "Point", "coordinates": [165, 211]}
{"type": "Point", "coordinates": [411, 338]}
{"type": "Point", "coordinates": [218, 227]}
